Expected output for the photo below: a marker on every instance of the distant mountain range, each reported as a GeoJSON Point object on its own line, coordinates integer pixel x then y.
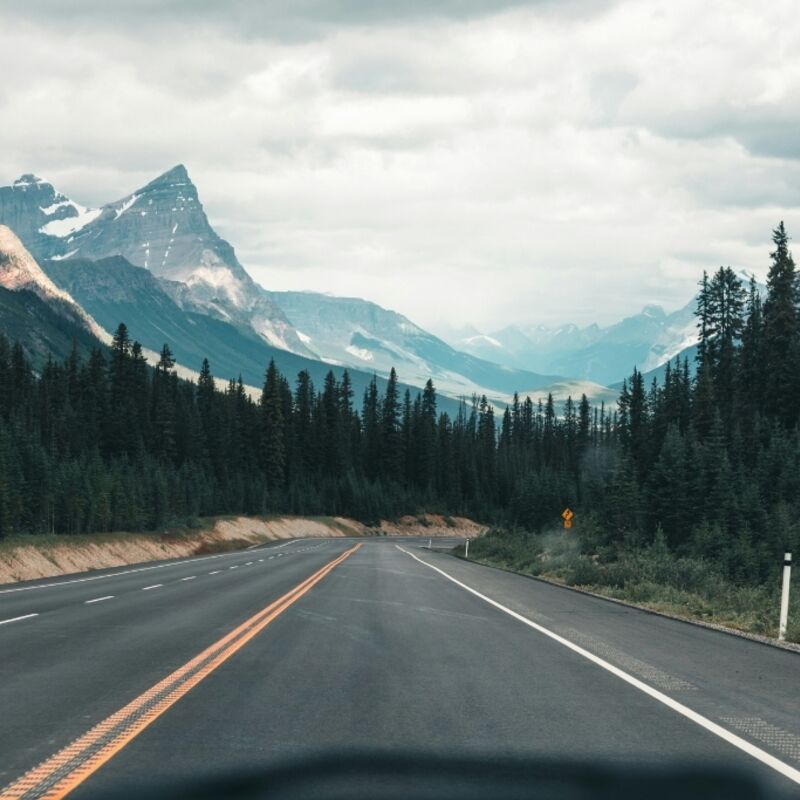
{"type": "Point", "coordinates": [602, 354]}
{"type": "Point", "coordinates": [153, 260]}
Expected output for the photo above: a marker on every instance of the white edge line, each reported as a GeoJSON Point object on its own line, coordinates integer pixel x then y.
{"type": "Point", "coordinates": [17, 619]}
{"type": "Point", "coordinates": [154, 586]}
{"type": "Point", "coordinates": [99, 599]}
{"type": "Point", "coordinates": [117, 574]}
{"type": "Point", "coordinates": [750, 749]}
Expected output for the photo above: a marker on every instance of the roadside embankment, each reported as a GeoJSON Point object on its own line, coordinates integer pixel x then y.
{"type": "Point", "coordinates": [25, 558]}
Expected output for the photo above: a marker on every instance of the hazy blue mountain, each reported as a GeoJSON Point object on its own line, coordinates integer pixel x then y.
{"type": "Point", "coordinates": [602, 354]}
{"type": "Point", "coordinates": [112, 290]}
{"type": "Point", "coordinates": [658, 372]}
{"type": "Point", "coordinates": [359, 333]}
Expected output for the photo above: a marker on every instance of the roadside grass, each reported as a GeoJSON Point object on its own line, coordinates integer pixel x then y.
{"type": "Point", "coordinates": [651, 577]}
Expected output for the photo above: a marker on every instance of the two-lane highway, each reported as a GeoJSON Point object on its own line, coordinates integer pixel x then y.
{"type": "Point", "coordinates": [96, 639]}
{"type": "Point", "coordinates": [244, 660]}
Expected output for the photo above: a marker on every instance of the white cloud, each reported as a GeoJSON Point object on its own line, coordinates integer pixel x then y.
{"type": "Point", "coordinates": [536, 164]}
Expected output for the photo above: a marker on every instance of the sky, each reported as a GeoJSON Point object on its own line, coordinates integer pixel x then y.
{"type": "Point", "coordinates": [467, 162]}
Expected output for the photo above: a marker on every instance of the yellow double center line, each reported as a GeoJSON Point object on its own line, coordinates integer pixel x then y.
{"type": "Point", "coordinates": [71, 766]}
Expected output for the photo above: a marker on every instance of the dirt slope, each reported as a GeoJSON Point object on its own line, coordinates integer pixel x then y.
{"type": "Point", "coordinates": [31, 557]}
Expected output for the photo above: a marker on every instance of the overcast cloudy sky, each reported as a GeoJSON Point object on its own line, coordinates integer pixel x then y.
{"type": "Point", "coordinates": [461, 162]}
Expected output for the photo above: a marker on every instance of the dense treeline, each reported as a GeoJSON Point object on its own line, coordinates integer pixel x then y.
{"type": "Point", "coordinates": [712, 463]}
{"type": "Point", "coordinates": [708, 461]}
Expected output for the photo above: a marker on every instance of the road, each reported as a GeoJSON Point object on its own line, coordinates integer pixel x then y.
{"type": "Point", "coordinates": [247, 659]}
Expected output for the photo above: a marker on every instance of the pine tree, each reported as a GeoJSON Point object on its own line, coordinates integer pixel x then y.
{"type": "Point", "coordinates": [781, 331]}
{"type": "Point", "coordinates": [392, 457]}
{"type": "Point", "coordinates": [273, 439]}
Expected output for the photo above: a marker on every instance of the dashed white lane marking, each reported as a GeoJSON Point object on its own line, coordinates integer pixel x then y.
{"type": "Point", "coordinates": [154, 586]}
{"type": "Point", "coordinates": [235, 566]}
{"type": "Point", "coordinates": [248, 563]}
{"type": "Point", "coordinates": [215, 572]}
{"type": "Point", "coordinates": [99, 599]}
{"type": "Point", "coordinates": [746, 747]}
{"type": "Point", "coordinates": [260, 560]}
{"type": "Point", "coordinates": [271, 557]}
{"type": "Point", "coordinates": [126, 572]}
{"type": "Point", "coordinates": [190, 578]}
{"type": "Point", "coordinates": [114, 574]}
{"type": "Point", "coordinates": [17, 619]}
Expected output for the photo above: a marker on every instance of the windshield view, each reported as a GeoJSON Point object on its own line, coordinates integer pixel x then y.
{"type": "Point", "coordinates": [399, 399]}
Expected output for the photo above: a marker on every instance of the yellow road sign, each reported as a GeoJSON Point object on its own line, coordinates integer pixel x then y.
{"type": "Point", "coordinates": [567, 523]}
{"type": "Point", "coordinates": [567, 514]}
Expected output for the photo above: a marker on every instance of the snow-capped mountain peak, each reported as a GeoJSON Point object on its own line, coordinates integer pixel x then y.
{"type": "Point", "coordinates": [161, 226]}
{"type": "Point", "coordinates": [25, 181]}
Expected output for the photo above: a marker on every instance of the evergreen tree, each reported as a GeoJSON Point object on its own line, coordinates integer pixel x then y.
{"type": "Point", "coordinates": [781, 331]}
{"type": "Point", "coordinates": [273, 440]}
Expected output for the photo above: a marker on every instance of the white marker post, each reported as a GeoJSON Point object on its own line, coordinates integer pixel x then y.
{"type": "Point", "coordinates": [787, 576]}
{"type": "Point", "coordinates": [466, 549]}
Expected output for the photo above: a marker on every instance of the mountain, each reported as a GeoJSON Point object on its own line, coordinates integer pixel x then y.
{"type": "Point", "coordinates": [34, 311]}
{"type": "Point", "coordinates": [113, 290]}
{"type": "Point", "coordinates": [197, 296]}
{"type": "Point", "coordinates": [162, 227]}
{"type": "Point", "coordinates": [362, 334]}
{"type": "Point", "coordinates": [19, 270]}
{"type": "Point", "coordinates": [602, 354]}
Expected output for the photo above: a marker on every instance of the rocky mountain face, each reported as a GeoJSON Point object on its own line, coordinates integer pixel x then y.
{"type": "Point", "coordinates": [19, 270]}
{"type": "Point", "coordinates": [42, 217]}
{"type": "Point", "coordinates": [36, 312]}
{"type": "Point", "coordinates": [161, 227]}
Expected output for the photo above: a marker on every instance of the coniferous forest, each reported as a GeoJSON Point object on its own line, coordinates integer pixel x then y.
{"type": "Point", "coordinates": [707, 460]}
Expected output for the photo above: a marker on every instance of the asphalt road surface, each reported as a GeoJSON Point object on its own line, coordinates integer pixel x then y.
{"type": "Point", "coordinates": [248, 659]}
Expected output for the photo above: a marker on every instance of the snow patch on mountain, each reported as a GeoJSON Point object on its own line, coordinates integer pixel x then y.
{"type": "Point", "coordinates": [126, 204]}
{"type": "Point", "coordinates": [483, 338]}
{"type": "Point", "coordinates": [66, 226]}
{"type": "Point", "coordinates": [66, 255]}
{"type": "Point", "coordinates": [53, 207]}
{"type": "Point", "coordinates": [360, 353]}
{"type": "Point", "coordinates": [24, 181]}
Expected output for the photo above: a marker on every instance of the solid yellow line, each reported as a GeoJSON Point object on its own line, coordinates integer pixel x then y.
{"type": "Point", "coordinates": [222, 650]}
